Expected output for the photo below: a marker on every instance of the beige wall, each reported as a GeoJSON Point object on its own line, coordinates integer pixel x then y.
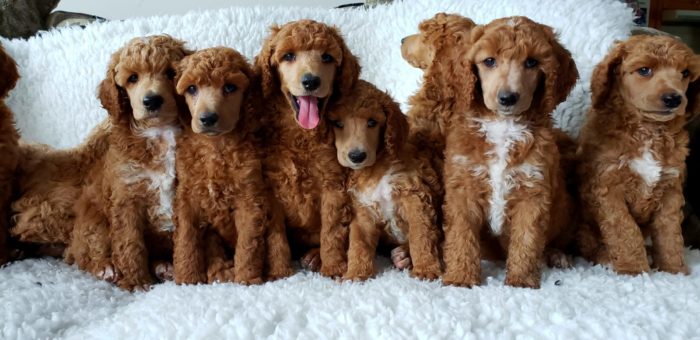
{"type": "Point", "coordinates": [121, 9]}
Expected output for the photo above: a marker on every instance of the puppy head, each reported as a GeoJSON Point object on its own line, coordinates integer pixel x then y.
{"type": "Point", "coordinates": [519, 63]}
{"type": "Point", "coordinates": [365, 125]}
{"type": "Point", "coordinates": [139, 86]}
{"type": "Point", "coordinates": [443, 29]}
{"type": "Point", "coordinates": [8, 73]}
{"type": "Point", "coordinates": [309, 63]}
{"type": "Point", "coordinates": [653, 75]}
{"type": "Point", "coordinates": [214, 83]}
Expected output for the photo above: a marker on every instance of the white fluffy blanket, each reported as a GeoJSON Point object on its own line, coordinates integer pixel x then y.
{"type": "Point", "coordinates": [55, 103]}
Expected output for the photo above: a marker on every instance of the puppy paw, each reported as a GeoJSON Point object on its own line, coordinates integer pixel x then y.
{"type": "Point", "coordinates": [311, 261]}
{"type": "Point", "coordinates": [401, 257]}
{"type": "Point", "coordinates": [429, 273]}
{"type": "Point", "coordinates": [682, 269]}
{"type": "Point", "coordinates": [334, 270]}
{"type": "Point", "coordinates": [279, 272]}
{"type": "Point", "coordinates": [461, 280]}
{"type": "Point", "coordinates": [530, 281]}
{"type": "Point", "coordinates": [557, 259]}
{"type": "Point", "coordinates": [632, 268]}
{"type": "Point", "coordinates": [108, 273]}
{"type": "Point", "coordinates": [164, 271]}
{"type": "Point", "coordinates": [135, 285]}
{"type": "Point", "coordinates": [221, 272]}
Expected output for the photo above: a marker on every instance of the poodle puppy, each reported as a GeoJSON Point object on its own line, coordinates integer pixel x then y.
{"type": "Point", "coordinates": [632, 154]}
{"type": "Point", "coordinates": [502, 167]}
{"type": "Point", "coordinates": [220, 192]}
{"type": "Point", "coordinates": [390, 194]}
{"type": "Point", "coordinates": [305, 67]}
{"type": "Point", "coordinates": [49, 183]}
{"type": "Point", "coordinates": [124, 215]}
{"type": "Point", "coordinates": [8, 147]}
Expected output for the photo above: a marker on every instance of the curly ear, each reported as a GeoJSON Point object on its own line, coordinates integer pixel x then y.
{"type": "Point", "coordinates": [9, 72]}
{"type": "Point", "coordinates": [263, 63]}
{"type": "Point", "coordinates": [349, 70]}
{"type": "Point", "coordinates": [693, 93]}
{"type": "Point", "coordinates": [114, 98]}
{"type": "Point", "coordinates": [561, 77]}
{"type": "Point", "coordinates": [604, 74]}
{"type": "Point", "coordinates": [396, 130]}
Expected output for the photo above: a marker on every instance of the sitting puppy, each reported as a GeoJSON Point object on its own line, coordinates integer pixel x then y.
{"type": "Point", "coordinates": [502, 167]}
{"type": "Point", "coordinates": [632, 152]}
{"type": "Point", "coordinates": [221, 193]}
{"type": "Point", "coordinates": [124, 214]}
{"type": "Point", "coordinates": [391, 197]}
{"type": "Point", "coordinates": [8, 147]}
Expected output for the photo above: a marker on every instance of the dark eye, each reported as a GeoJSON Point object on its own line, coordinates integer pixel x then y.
{"type": "Point", "coordinates": [337, 124]}
{"type": "Point", "coordinates": [170, 73]}
{"type": "Point", "coordinates": [489, 62]}
{"type": "Point", "coordinates": [530, 63]}
{"type": "Point", "coordinates": [644, 72]}
{"type": "Point", "coordinates": [192, 89]}
{"type": "Point", "coordinates": [229, 88]}
{"type": "Point", "coordinates": [133, 78]}
{"type": "Point", "coordinates": [685, 74]}
{"type": "Point", "coordinates": [327, 58]}
{"type": "Point", "coordinates": [288, 57]}
{"type": "Point", "coordinates": [371, 123]}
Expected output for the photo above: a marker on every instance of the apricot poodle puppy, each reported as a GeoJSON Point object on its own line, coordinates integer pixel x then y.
{"type": "Point", "coordinates": [390, 194]}
{"type": "Point", "coordinates": [502, 166]}
{"type": "Point", "coordinates": [125, 214]}
{"type": "Point", "coordinates": [8, 148]}
{"type": "Point", "coordinates": [632, 154]}
{"type": "Point", "coordinates": [305, 67]}
{"type": "Point", "coordinates": [221, 194]}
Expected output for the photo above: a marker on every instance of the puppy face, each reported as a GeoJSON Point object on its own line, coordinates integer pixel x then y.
{"type": "Point", "coordinates": [358, 135]}
{"type": "Point", "coordinates": [214, 82]}
{"type": "Point", "coordinates": [139, 86]}
{"type": "Point", "coordinates": [655, 79]}
{"type": "Point", "coordinates": [309, 63]}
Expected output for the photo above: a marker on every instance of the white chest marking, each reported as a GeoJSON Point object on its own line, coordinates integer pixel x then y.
{"type": "Point", "coordinates": [162, 181]}
{"type": "Point", "coordinates": [503, 135]}
{"type": "Point", "coordinates": [647, 167]}
{"type": "Point", "coordinates": [380, 200]}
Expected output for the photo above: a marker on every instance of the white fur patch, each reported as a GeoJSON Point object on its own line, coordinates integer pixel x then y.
{"type": "Point", "coordinates": [380, 198]}
{"type": "Point", "coordinates": [647, 167]}
{"type": "Point", "coordinates": [164, 180]}
{"type": "Point", "coordinates": [503, 134]}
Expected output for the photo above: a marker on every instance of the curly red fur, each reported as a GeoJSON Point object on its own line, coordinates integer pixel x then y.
{"type": "Point", "coordinates": [309, 185]}
{"type": "Point", "coordinates": [8, 147]}
{"type": "Point", "coordinates": [395, 185]}
{"type": "Point", "coordinates": [123, 215]}
{"type": "Point", "coordinates": [631, 161]}
{"type": "Point", "coordinates": [220, 184]}
{"type": "Point", "coordinates": [534, 210]}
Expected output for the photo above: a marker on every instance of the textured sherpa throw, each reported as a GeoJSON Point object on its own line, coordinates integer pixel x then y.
{"type": "Point", "coordinates": [55, 103]}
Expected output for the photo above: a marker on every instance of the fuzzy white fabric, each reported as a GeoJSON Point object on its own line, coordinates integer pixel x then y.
{"type": "Point", "coordinates": [55, 103]}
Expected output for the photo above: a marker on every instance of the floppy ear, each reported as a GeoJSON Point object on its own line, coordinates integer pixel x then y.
{"type": "Point", "coordinates": [8, 72]}
{"type": "Point", "coordinates": [349, 69]}
{"type": "Point", "coordinates": [114, 98]}
{"type": "Point", "coordinates": [396, 130]}
{"type": "Point", "coordinates": [564, 78]}
{"type": "Point", "coordinates": [693, 93]}
{"type": "Point", "coordinates": [263, 63]}
{"type": "Point", "coordinates": [604, 74]}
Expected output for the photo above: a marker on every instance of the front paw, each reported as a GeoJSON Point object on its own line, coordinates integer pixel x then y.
{"type": "Point", "coordinates": [164, 271]}
{"type": "Point", "coordinates": [461, 279]}
{"type": "Point", "coordinates": [311, 261]}
{"type": "Point", "coordinates": [429, 273]}
{"type": "Point", "coordinates": [135, 285]}
{"type": "Point", "coordinates": [333, 270]}
{"type": "Point", "coordinates": [280, 272]}
{"type": "Point", "coordinates": [632, 268]}
{"type": "Point", "coordinates": [401, 258]}
{"type": "Point", "coordinates": [682, 269]}
{"type": "Point", "coordinates": [529, 281]}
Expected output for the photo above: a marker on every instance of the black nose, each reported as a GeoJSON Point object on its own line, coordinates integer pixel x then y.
{"type": "Point", "coordinates": [310, 82]}
{"type": "Point", "coordinates": [357, 156]}
{"type": "Point", "coordinates": [507, 98]}
{"type": "Point", "coordinates": [152, 103]}
{"type": "Point", "coordinates": [672, 100]}
{"type": "Point", "coordinates": [402, 40]}
{"type": "Point", "coordinates": [209, 119]}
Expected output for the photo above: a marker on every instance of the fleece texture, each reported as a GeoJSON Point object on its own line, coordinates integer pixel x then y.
{"type": "Point", "coordinates": [55, 103]}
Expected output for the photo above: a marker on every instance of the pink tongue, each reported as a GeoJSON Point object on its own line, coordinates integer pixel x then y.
{"type": "Point", "coordinates": [308, 112]}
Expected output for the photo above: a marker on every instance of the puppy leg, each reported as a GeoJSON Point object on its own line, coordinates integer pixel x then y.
{"type": "Point", "coordinates": [250, 222]}
{"type": "Point", "coordinates": [129, 247]}
{"type": "Point", "coordinates": [188, 254]}
{"type": "Point", "coordinates": [529, 219]}
{"type": "Point", "coordinates": [219, 267]}
{"type": "Point", "coordinates": [364, 236]}
{"type": "Point", "coordinates": [422, 237]}
{"type": "Point", "coordinates": [277, 247]}
{"type": "Point", "coordinates": [334, 208]}
{"type": "Point", "coordinates": [622, 236]}
{"type": "Point", "coordinates": [666, 234]}
{"type": "Point", "coordinates": [463, 219]}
